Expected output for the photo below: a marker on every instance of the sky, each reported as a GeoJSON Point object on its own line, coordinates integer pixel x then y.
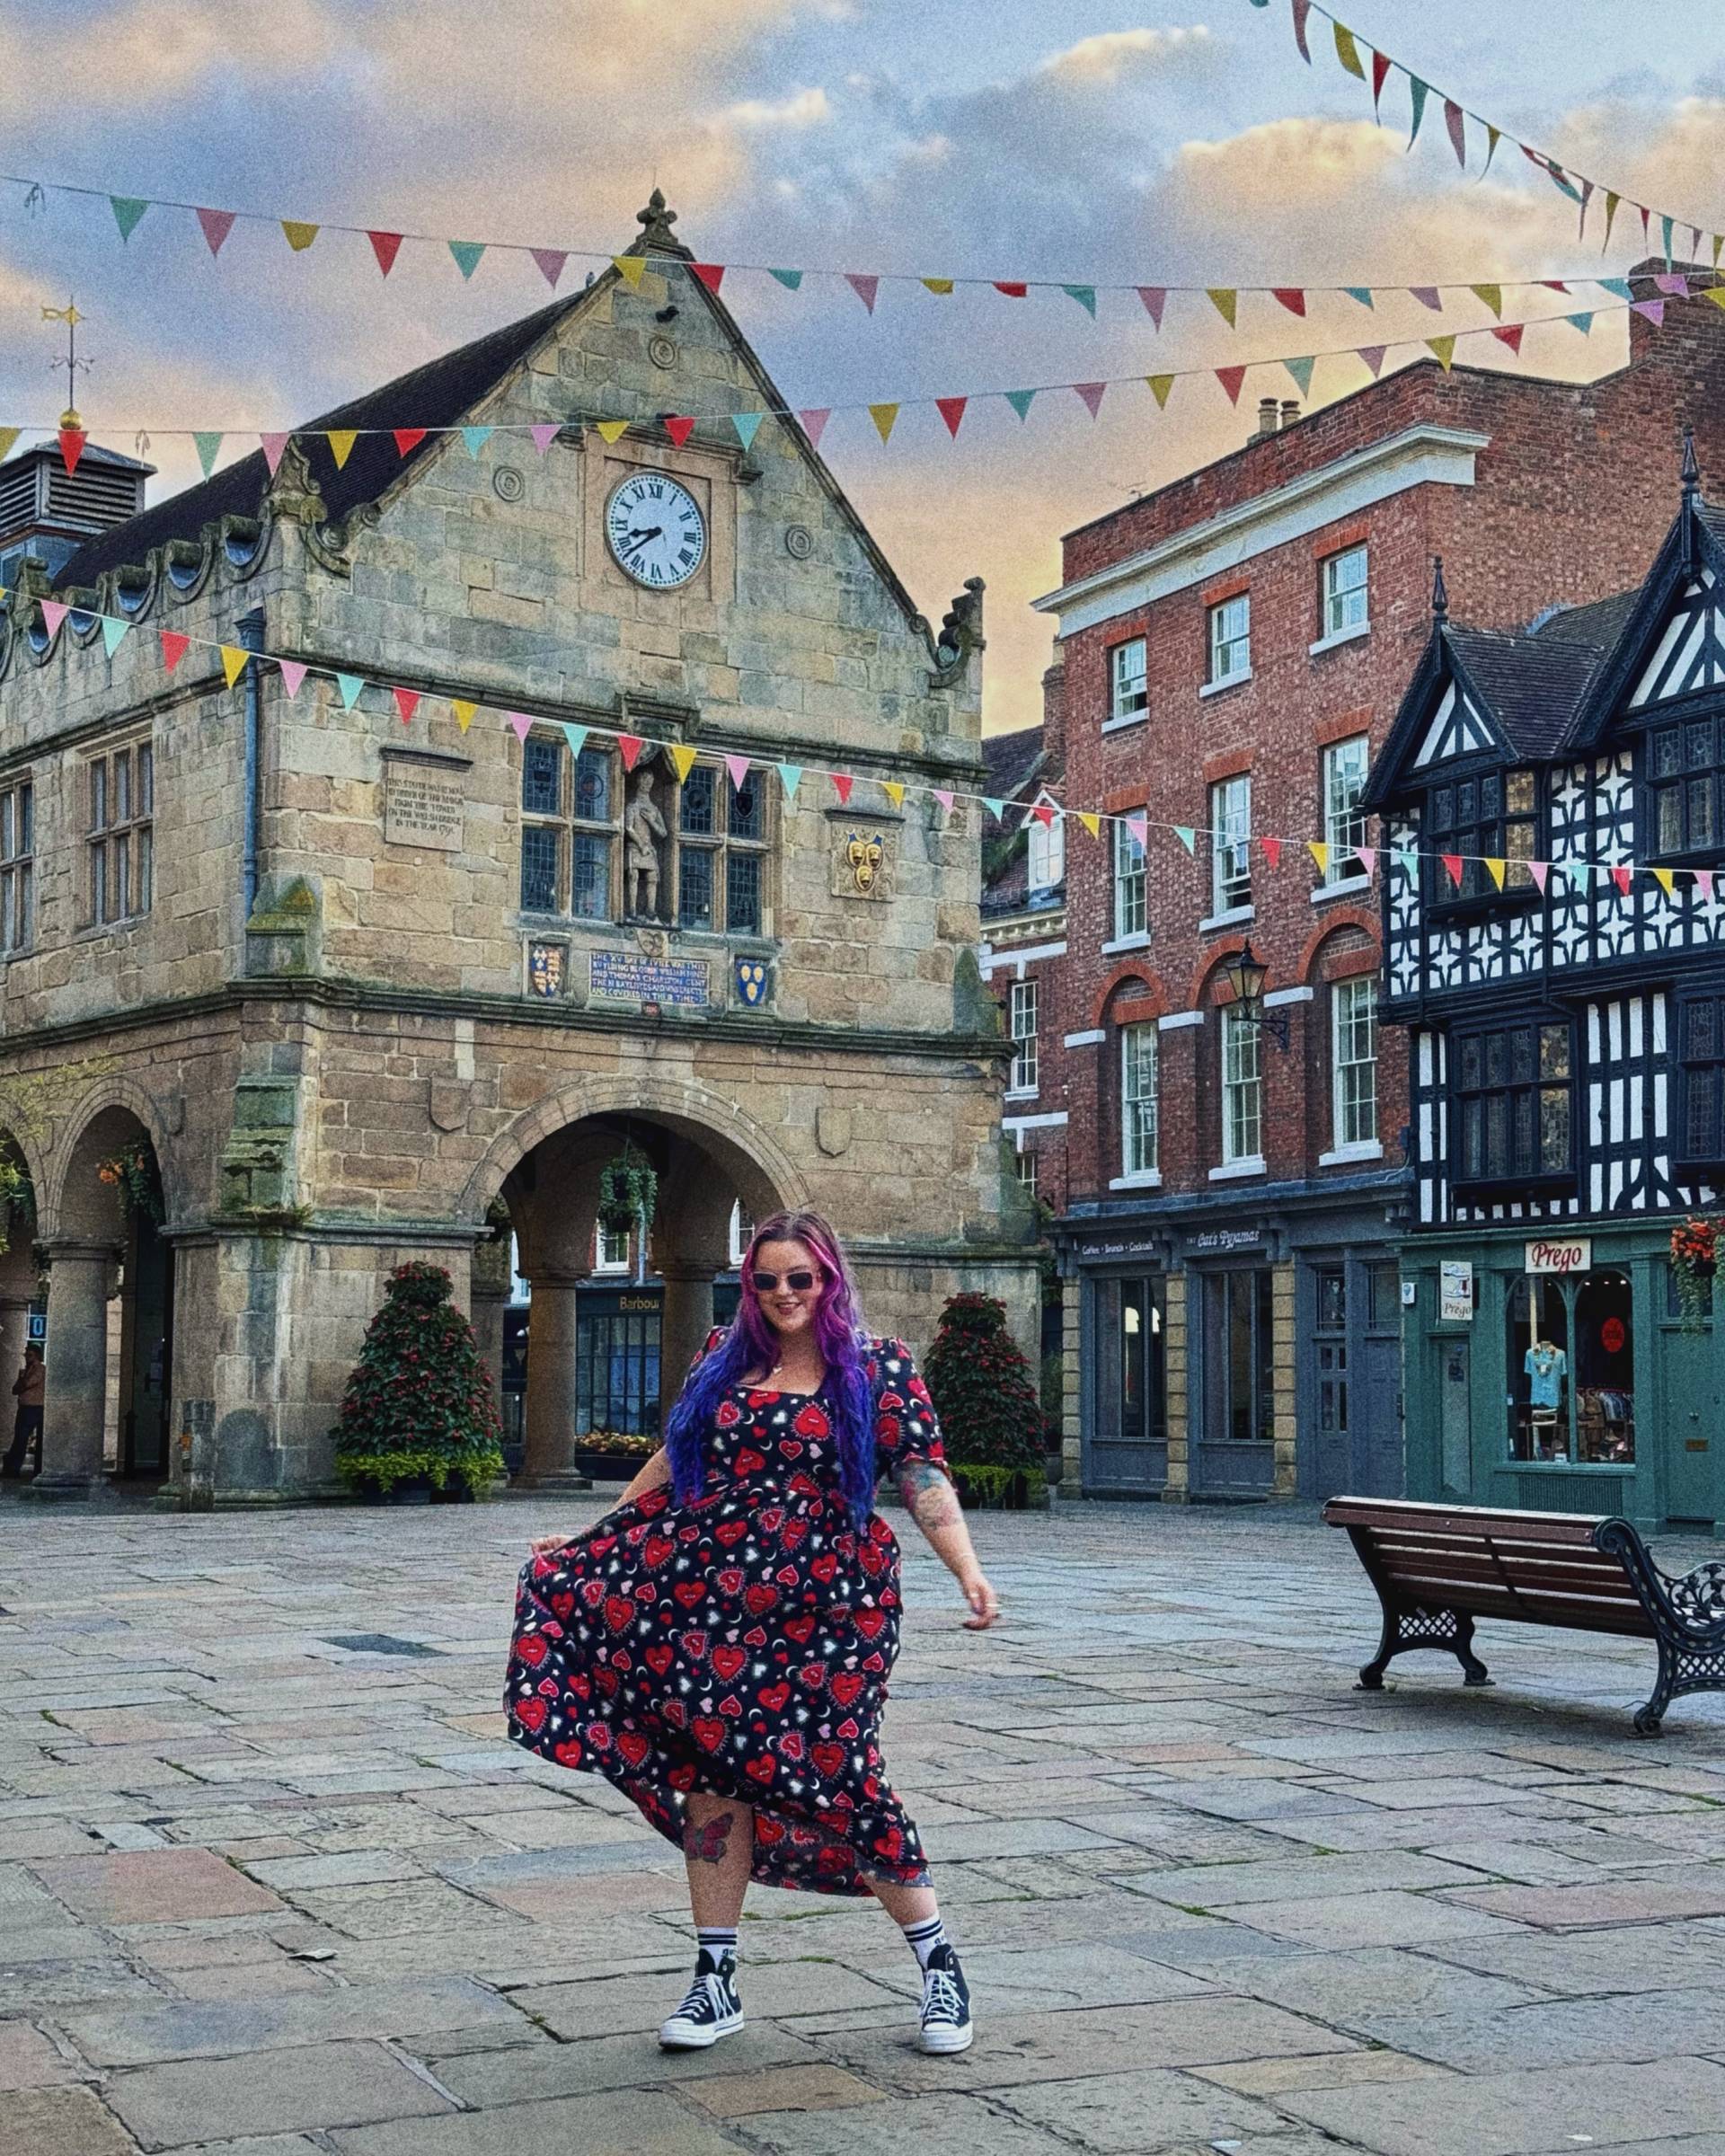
{"type": "Point", "coordinates": [1157, 142]}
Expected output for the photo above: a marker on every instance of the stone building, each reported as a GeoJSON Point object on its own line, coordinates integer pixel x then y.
{"type": "Point", "coordinates": [346, 992]}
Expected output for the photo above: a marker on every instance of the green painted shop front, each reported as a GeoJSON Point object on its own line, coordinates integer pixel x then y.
{"type": "Point", "coordinates": [1556, 1373]}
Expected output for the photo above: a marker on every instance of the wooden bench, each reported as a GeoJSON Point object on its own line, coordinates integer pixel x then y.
{"type": "Point", "coordinates": [1439, 1566]}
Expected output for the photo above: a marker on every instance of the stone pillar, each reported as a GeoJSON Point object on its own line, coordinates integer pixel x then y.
{"type": "Point", "coordinates": [76, 1395]}
{"type": "Point", "coordinates": [488, 1299]}
{"type": "Point", "coordinates": [1184, 1304]}
{"type": "Point", "coordinates": [684, 1323]}
{"type": "Point", "coordinates": [549, 1457]}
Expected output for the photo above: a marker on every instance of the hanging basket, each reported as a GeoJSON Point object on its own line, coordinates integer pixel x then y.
{"type": "Point", "coordinates": [1694, 1260]}
{"type": "Point", "coordinates": [628, 1192]}
{"type": "Point", "coordinates": [132, 1170]}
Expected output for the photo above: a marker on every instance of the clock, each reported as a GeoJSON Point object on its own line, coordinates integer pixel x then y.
{"type": "Point", "coordinates": [655, 530]}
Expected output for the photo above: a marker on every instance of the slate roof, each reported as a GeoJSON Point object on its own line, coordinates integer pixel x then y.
{"type": "Point", "coordinates": [1011, 760]}
{"type": "Point", "coordinates": [1532, 685]}
{"type": "Point", "coordinates": [440, 393]}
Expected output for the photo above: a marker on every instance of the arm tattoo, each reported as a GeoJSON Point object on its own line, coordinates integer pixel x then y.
{"type": "Point", "coordinates": [928, 1495]}
{"type": "Point", "coordinates": [707, 1842]}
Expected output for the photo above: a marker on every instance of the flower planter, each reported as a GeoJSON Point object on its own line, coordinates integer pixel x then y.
{"type": "Point", "coordinates": [1001, 1489]}
{"type": "Point", "coordinates": [609, 1467]}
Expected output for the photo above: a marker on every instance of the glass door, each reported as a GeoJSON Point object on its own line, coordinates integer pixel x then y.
{"type": "Point", "coordinates": [1126, 1440]}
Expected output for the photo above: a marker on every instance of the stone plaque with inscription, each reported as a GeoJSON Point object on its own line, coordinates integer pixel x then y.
{"type": "Point", "coordinates": [648, 980]}
{"type": "Point", "coordinates": [423, 802]}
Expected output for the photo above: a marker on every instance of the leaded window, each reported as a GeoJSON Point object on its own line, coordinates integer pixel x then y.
{"type": "Point", "coordinates": [120, 846]}
{"type": "Point", "coordinates": [1682, 782]}
{"type": "Point", "coordinates": [17, 866]}
{"type": "Point", "coordinates": [1515, 1089]}
{"type": "Point", "coordinates": [1700, 1107]}
{"type": "Point", "coordinates": [1491, 817]}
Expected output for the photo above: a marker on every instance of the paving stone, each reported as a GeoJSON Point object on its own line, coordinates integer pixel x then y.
{"type": "Point", "coordinates": [28, 2060]}
{"type": "Point", "coordinates": [1650, 1957]}
{"type": "Point", "coordinates": [1616, 1902]}
{"type": "Point", "coordinates": [781, 2088]}
{"type": "Point", "coordinates": [1354, 1990]}
{"type": "Point", "coordinates": [359, 1868]}
{"type": "Point", "coordinates": [1222, 1885]}
{"type": "Point", "coordinates": [60, 2122]}
{"type": "Point", "coordinates": [315, 2087]}
{"type": "Point", "coordinates": [915, 2128]}
{"type": "Point", "coordinates": [1652, 2024]}
{"type": "Point", "coordinates": [634, 2124]}
{"type": "Point", "coordinates": [1120, 2114]}
{"type": "Point", "coordinates": [154, 1886]}
{"type": "Point", "coordinates": [623, 2061]}
{"type": "Point", "coordinates": [1370, 1920]}
{"type": "Point", "coordinates": [1338, 2070]}
{"type": "Point", "coordinates": [612, 2005]}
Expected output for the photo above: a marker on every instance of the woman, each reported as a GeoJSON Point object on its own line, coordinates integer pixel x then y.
{"type": "Point", "coordinates": [719, 1646]}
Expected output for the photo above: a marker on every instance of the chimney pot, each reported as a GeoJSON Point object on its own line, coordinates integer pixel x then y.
{"type": "Point", "coordinates": [1266, 419]}
{"type": "Point", "coordinates": [1290, 410]}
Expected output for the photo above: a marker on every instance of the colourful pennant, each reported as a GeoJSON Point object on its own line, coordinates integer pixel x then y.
{"type": "Point", "coordinates": [1347, 51]}
{"type": "Point", "coordinates": [1408, 862]}
{"type": "Point", "coordinates": [113, 634]}
{"type": "Point", "coordinates": [1666, 882]}
{"type": "Point", "coordinates": [1319, 850]}
{"type": "Point", "coordinates": [274, 448]}
{"type": "Point", "coordinates": [1301, 10]}
{"type": "Point", "coordinates": [8, 436]}
{"type": "Point", "coordinates": [1539, 871]}
{"type": "Point", "coordinates": [789, 279]}
{"type": "Point", "coordinates": [1092, 822]}
{"type": "Point", "coordinates": [747, 425]}
{"type": "Point", "coordinates": [997, 809]}
{"type": "Point", "coordinates": [842, 785]}
{"type": "Point", "coordinates": [293, 672]}
{"type": "Point", "coordinates": [1510, 335]}
{"type": "Point", "coordinates": [1226, 300]}
{"type": "Point", "coordinates": [1091, 393]}
{"type": "Point", "coordinates": [814, 424]}
{"type": "Point", "coordinates": [631, 268]}
{"type": "Point", "coordinates": [1489, 296]}
{"type": "Point", "coordinates": [711, 274]}
{"type": "Point", "coordinates": [610, 430]}
{"type": "Point", "coordinates": [629, 747]}
{"type": "Point", "coordinates": [1363, 294]}
{"type": "Point", "coordinates": [385, 246]}
{"type": "Point", "coordinates": [175, 647]}
{"type": "Point", "coordinates": [128, 211]}
{"type": "Point", "coordinates": [550, 261]}
{"type": "Point", "coordinates": [215, 225]}
{"type": "Point", "coordinates": [1453, 868]}
{"type": "Point", "coordinates": [209, 447]}
{"type": "Point", "coordinates": [298, 237]}
{"type": "Point", "coordinates": [1705, 884]}
{"type": "Point", "coordinates": [1495, 867]}
{"type": "Point", "coordinates": [1232, 379]}
{"type": "Point", "coordinates": [520, 726]}
{"type": "Point", "coordinates": [1366, 857]}
{"type": "Point", "coordinates": [407, 439]}
{"type": "Point", "coordinates": [738, 767]}
{"type": "Point", "coordinates": [72, 441]}
{"type": "Point", "coordinates": [1160, 387]}
{"type": "Point", "coordinates": [1085, 294]}
{"type": "Point", "coordinates": [467, 255]}
{"type": "Point", "coordinates": [407, 702]}
{"type": "Point", "coordinates": [1187, 837]}
{"type": "Point", "coordinates": [342, 440]}
{"type": "Point", "coordinates": [1373, 355]}
{"type": "Point", "coordinates": [1292, 296]}
{"type": "Point", "coordinates": [234, 660]}
{"type": "Point", "coordinates": [1428, 295]}
{"type": "Point", "coordinates": [544, 434]}
{"type": "Point", "coordinates": [464, 712]}
{"type": "Point", "coordinates": [1020, 401]}
{"type": "Point", "coordinates": [894, 792]}
{"type": "Point", "coordinates": [576, 736]}
{"type": "Point", "coordinates": [348, 687]}
{"type": "Point", "coordinates": [679, 426]}
{"type": "Point", "coordinates": [1137, 827]}
{"type": "Point", "coordinates": [1380, 75]}
{"type": "Point", "coordinates": [1417, 93]}
{"type": "Point", "coordinates": [682, 760]}
{"type": "Point", "coordinates": [790, 778]}
{"type": "Point", "coordinates": [883, 416]}
{"type": "Point", "coordinates": [1011, 290]}
{"type": "Point", "coordinates": [951, 409]}
{"type": "Point", "coordinates": [941, 286]}
{"type": "Point", "coordinates": [1154, 299]}
{"type": "Point", "coordinates": [1621, 876]}
{"type": "Point", "coordinates": [865, 288]}
{"type": "Point", "coordinates": [1457, 127]}
{"type": "Point", "coordinates": [1301, 370]}
{"type": "Point", "coordinates": [1444, 351]}
{"type": "Point", "coordinates": [1272, 850]}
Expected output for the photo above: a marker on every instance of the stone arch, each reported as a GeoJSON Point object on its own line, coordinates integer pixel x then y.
{"type": "Point", "coordinates": [108, 1103]}
{"type": "Point", "coordinates": [1325, 932]}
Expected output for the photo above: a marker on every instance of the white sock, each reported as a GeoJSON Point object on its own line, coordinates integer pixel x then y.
{"type": "Point", "coordinates": [924, 1936]}
{"type": "Point", "coordinates": [717, 1939]}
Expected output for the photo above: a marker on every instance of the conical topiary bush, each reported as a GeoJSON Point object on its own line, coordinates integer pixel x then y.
{"type": "Point", "coordinates": [987, 1395]}
{"type": "Point", "coordinates": [419, 1402]}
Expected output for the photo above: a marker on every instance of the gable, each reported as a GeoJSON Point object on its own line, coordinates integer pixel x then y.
{"type": "Point", "coordinates": [1690, 654]}
{"type": "Point", "coordinates": [1456, 727]}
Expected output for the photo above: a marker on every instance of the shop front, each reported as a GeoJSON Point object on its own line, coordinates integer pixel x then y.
{"type": "Point", "coordinates": [1558, 1373]}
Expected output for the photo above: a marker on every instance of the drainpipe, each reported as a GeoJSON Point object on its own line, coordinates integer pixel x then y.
{"type": "Point", "coordinates": [251, 628]}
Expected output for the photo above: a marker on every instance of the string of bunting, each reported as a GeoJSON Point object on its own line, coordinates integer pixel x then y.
{"type": "Point", "coordinates": [884, 415]}
{"type": "Point", "coordinates": [301, 234]}
{"type": "Point", "coordinates": [1371, 66]}
{"type": "Point", "coordinates": [1325, 855]}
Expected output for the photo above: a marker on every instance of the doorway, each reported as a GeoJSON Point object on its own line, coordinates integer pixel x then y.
{"type": "Point", "coordinates": [1235, 1456]}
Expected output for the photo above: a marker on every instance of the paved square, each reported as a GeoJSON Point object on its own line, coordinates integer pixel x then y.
{"type": "Point", "coordinates": [269, 1884]}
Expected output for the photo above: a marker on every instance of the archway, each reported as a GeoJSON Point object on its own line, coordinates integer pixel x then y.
{"type": "Point", "coordinates": [618, 1308]}
{"type": "Point", "coordinates": [110, 1310]}
{"type": "Point", "coordinates": [21, 1305]}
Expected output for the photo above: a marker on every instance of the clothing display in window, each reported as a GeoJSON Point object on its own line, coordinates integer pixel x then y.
{"type": "Point", "coordinates": [1546, 1367]}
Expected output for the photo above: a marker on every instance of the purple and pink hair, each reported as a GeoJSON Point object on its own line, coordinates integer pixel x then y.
{"type": "Point", "coordinates": [751, 1343]}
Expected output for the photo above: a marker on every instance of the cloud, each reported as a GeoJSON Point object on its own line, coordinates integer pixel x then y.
{"type": "Point", "coordinates": [1099, 62]}
{"type": "Point", "coordinates": [801, 108]}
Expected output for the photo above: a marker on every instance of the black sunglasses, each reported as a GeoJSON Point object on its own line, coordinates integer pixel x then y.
{"type": "Point", "coordinates": [798, 1283]}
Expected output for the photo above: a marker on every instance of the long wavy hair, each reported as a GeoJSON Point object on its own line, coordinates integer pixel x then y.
{"type": "Point", "coordinates": [751, 1343]}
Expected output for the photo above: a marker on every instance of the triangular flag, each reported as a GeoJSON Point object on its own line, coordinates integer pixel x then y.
{"type": "Point", "coordinates": [1490, 297]}
{"type": "Point", "coordinates": [738, 767]}
{"type": "Point", "coordinates": [576, 736]}
{"type": "Point", "coordinates": [883, 416]}
{"type": "Point", "coordinates": [407, 702]}
{"type": "Point", "coordinates": [1666, 882]}
{"type": "Point", "coordinates": [1457, 127]}
{"type": "Point", "coordinates": [1444, 350]}
{"type": "Point", "coordinates": [298, 237]}
{"type": "Point", "coordinates": [1716, 293]}
{"type": "Point", "coordinates": [1428, 295]}
{"type": "Point", "coordinates": [1154, 299]}
{"type": "Point", "coordinates": [1187, 837]}
{"type": "Point", "coordinates": [1225, 300]}
{"type": "Point", "coordinates": [1453, 865]}
{"type": "Point", "coordinates": [1510, 334]}
{"type": "Point", "coordinates": [789, 278]}
{"type": "Point", "coordinates": [1380, 75]}
{"type": "Point", "coordinates": [610, 430]}
{"type": "Point", "coordinates": [1138, 825]}
{"type": "Point", "coordinates": [407, 439]}
{"type": "Point", "coordinates": [1653, 309]}
{"type": "Point", "coordinates": [1302, 8]}
{"type": "Point", "coordinates": [1417, 98]}
{"type": "Point", "coordinates": [1621, 877]}
{"type": "Point", "coordinates": [631, 268]}
{"type": "Point", "coordinates": [1085, 294]}
{"type": "Point", "coordinates": [1584, 322]}
{"type": "Point", "coordinates": [1673, 284]}
{"type": "Point", "coordinates": [1363, 294]}
{"type": "Point", "coordinates": [951, 409]}
{"type": "Point", "coordinates": [1347, 51]}
{"type": "Point", "coordinates": [8, 435]}
{"type": "Point", "coordinates": [895, 792]}
{"type": "Point", "coordinates": [814, 424]}
{"type": "Point", "coordinates": [1092, 393]}
{"type": "Point", "coordinates": [544, 433]}
{"type": "Point", "coordinates": [711, 274]}
{"type": "Point", "coordinates": [1705, 884]}
{"type": "Point", "coordinates": [1042, 813]}
{"type": "Point", "coordinates": [550, 261]}
{"type": "Point", "coordinates": [1160, 387]}
{"type": "Point", "coordinates": [790, 778]}
{"type": "Point", "coordinates": [234, 660]}
{"type": "Point", "coordinates": [342, 440]}
{"type": "Point", "coordinates": [1292, 296]}
{"type": "Point", "coordinates": [519, 725]}
{"type": "Point", "coordinates": [747, 425]}
{"type": "Point", "coordinates": [216, 224]}
{"type": "Point", "coordinates": [175, 647]}
{"type": "Point", "coordinates": [293, 676]}
{"type": "Point", "coordinates": [113, 634]}
{"type": "Point", "coordinates": [1010, 290]}
{"type": "Point", "coordinates": [842, 784]}
{"type": "Point", "coordinates": [274, 446]}
{"type": "Point", "coordinates": [385, 246]}
{"type": "Point", "coordinates": [682, 760]}
{"type": "Point", "coordinates": [1301, 370]}
{"type": "Point", "coordinates": [1373, 355]}
{"type": "Point", "coordinates": [1406, 861]}
{"type": "Point", "coordinates": [995, 809]}
{"type": "Point", "coordinates": [1272, 850]}
{"type": "Point", "coordinates": [865, 288]}
{"type": "Point", "coordinates": [127, 209]}
{"type": "Point", "coordinates": [348, 687]}
{"type": "Point", "coordinates": [629, 747]}
{"type": "Point", "coordinates": [1021, 399]}
{"type": "Point", "coordinates": [467, 253]}
{"type": "Point", "coordinates": [1579, 872]}
{"type": "Point", "coordinates": [1619, 287]}
{"type": "Point", "coordinates": [1539, 870]}
{"type": "Point", "coordinates": [938, 286]}
{"type": "Point", "coordinates": [1092, 822]}
{"type": "Point", "coordinates": [1494, 868]}
{"type": "Point", "coordinates": [1368, 858]}
{"type": "Point", "coordinates": [679, 426]}
{"type": "Point", "coordinates": [1232, 379]}
{"type": "Point", "coordinates": [72, 441]}
{"type": "Point", "coordinates": [1319, 849]}
{"type": "Point", "coordinates": [210, 447]}
{"type": "Point", "coordinates": [464, 712]}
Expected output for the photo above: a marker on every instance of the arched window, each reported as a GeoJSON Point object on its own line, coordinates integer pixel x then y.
{"type": "Point", "coordinates": [1571, 1369]}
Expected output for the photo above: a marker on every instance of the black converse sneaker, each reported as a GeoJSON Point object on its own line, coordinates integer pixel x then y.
{"type": "Point", "coordinates": [946, 2002]}
{"type": "Point", "coordinates": [712, 2006]}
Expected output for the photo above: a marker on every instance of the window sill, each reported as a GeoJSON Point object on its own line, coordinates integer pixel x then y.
{"type": "Point", "coordinates": [1369, 1149]}
{"type": "Point", "coordinates": [1148, 1179]}
{"type": "Point", "coordinates": [1232, 917]}
{"type": "Point", "coordinates": [1138, 942]}
{"type": "Point", "coordinates": [1344, 887]}
{"type": "Point", "coordinates": [1021, 1092]}
{"type": "Point", "coordinates": [1521, 898]}
{"type": "Point", "coordinates": [1336, 637]}
{"type": "Point", "coordinates": [1127, 720]}
{"type": "Point", "coordinates": [1228, 681]}
{"type": "Point", "coordinates": [92, 929]}
{"type": "Point", "coordinates": [1232, 1170]}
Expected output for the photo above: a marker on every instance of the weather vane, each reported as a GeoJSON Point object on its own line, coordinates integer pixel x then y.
{"type": "Point", "coordinates": [71, 317]}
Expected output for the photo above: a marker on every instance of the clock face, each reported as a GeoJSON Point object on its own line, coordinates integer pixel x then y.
{"type": "Point", "coordinates": [656, 531]}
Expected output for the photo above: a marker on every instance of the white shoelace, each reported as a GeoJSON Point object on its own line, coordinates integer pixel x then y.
{"type": "Point", "coordinates": [704, 2001]}
{"type": "Point", "coordinates": [941, 1999]}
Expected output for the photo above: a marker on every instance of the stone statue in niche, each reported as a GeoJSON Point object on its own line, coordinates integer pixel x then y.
{"type": "Point", "coordinates": [644, 831]}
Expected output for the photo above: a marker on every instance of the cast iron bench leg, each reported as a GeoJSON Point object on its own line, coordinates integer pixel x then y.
{"type": "Point", "coordinates": [1450, 1631]}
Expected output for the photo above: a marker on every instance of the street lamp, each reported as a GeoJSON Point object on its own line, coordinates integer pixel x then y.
{"type": "Point", "coordinates": [1245, 974]}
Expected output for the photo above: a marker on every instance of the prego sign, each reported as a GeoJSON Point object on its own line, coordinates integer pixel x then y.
{"type": "Point", "coordinates": [1561, 1254]}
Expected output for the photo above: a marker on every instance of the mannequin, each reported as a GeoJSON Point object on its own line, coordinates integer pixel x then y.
{"type": "Point", "coordinates": [1546, 1366]}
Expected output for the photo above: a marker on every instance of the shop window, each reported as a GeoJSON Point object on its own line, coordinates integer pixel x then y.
{"type": "Point", "coordinates": [1132, 1396]}
{"type": "Point", "coordinates": [1682, 786]}
{"type": "Point", "coordinates": [1494, 817]}
{"type": "Point", "coordinates": [1571, 1369]}
{"type": "Point", "coordinates": [617, 1365]}
{"type": "Point", "coordinates": [1241, 1338]}
{"type": "Point", "coordinates": [1514, 1104]}
{"type": "Point", "coordinates": [1700, 1097]}
{"type": "Point", "coordinates": [1231, 844]}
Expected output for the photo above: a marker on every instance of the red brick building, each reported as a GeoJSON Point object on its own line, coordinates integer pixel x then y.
{"type": "Point", "coordinates": [1232, 650]}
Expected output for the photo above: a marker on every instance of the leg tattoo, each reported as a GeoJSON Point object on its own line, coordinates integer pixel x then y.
{"type": "Point", "coordinates": [706, 1843]}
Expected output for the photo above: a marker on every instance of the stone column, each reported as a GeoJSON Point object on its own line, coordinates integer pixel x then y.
{"type": "Point", "coordinates": [549, 1457]}
{"type": "Point", "coordinates": [76, 1395]}
{"type": "Point", "coordinates": [488, 1299]}
{"type": "Point", "coordinates": [685, 1321]}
